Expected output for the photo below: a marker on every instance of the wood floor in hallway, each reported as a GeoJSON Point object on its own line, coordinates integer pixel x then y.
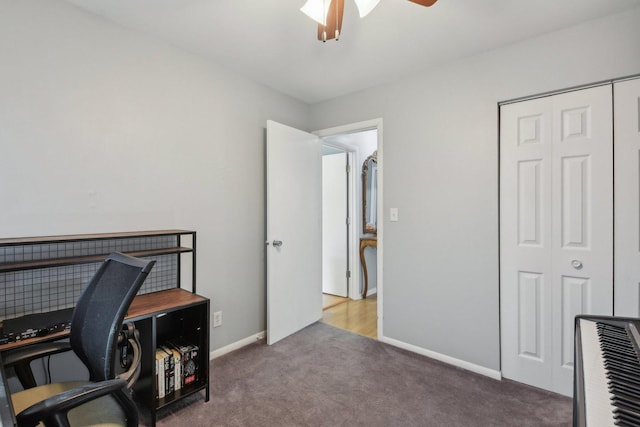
{"type": "Point", "coordinates": [359, 316]}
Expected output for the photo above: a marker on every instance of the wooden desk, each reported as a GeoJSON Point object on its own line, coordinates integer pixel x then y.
{"type": "Point", "coordinates": [364, 242]}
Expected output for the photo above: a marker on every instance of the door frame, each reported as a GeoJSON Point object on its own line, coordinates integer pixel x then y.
{"type": "Point", "coordinates": [354, 234]}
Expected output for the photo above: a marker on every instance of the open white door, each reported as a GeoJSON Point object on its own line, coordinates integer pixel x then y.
{"type": "Point", "coordinates": [294, 230]}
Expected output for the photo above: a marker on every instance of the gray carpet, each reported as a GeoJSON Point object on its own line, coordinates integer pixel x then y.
{"type": "Point", "coordinates": [324, 376]}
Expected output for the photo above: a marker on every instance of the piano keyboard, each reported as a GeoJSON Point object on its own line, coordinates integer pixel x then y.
{"type": "Point", "coordinates": [608, 389]}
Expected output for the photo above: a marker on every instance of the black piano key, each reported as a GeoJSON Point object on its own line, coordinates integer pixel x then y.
{"type": "Point", "coordinates": [628, 411]}
{"type": "Point", "coordinates": [627, 365]}
{"type": "Point", "coordinates": [619, 356]}
{"type": "Point", "coordinates": [613, 334]}
{"type": "Point", "coordinates": [621, 371]}
{"type": "Point", "coordinates": [608, 359]}
{"type": "Point", "coordinates": [624, 420]}
{"type": "Point", "coordinates": [624, 387]}
{"type": "Point", "coordinates": [623, 367]}
{"type": "Point", "coordinates": [627, 416]}
{"type": "Point", "coordinates": [615, 375]}
{"type": "Point", "coordinates": [618, 337]}
{"type": "Point", "coordinates": [626, 399]}
{"type": "Point", "coordinates": [622, 364]}
{"type": "Point", "coordinates": [631, 393]}
{"type": "Point", "coordinates": [617, 349]}
{"type": "Point", "coordinates": [610, 328]}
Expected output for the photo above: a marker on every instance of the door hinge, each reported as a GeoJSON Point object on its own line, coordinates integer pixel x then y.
{"type": "Point", "coordinates": [348, 274]}
{"type": "Point", "coordinates": [348, 168]}
{"type": "Point", "coordinates": [348, 221]}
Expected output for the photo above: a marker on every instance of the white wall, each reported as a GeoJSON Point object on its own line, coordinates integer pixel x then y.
{"type": "Point", "coordinates": [441, 289]}
{"type": "Point", "coordinates": [103, 129]}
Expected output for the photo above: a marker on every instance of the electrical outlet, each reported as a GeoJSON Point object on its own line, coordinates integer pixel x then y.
{"type": "Point", "coordinates": [217, 319]}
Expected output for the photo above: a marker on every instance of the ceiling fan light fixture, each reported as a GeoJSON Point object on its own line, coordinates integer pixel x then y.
{"type": "Point", "coordinates": [366, 6]}
{"type": "Point", "coordinates": [328, 14]}
{"type": "Point", "coordinates": [316, 10]}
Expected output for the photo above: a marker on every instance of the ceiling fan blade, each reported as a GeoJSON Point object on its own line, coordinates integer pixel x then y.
{"type": "Point", "coordinates": [334, 21]}
{"type": "Point", "coordinates": [426, 3]}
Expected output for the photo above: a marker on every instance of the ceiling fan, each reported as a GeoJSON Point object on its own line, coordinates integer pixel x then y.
{"type": "Point", "coordinates": [328, 14]}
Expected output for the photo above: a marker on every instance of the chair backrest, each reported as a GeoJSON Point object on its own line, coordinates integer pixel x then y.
{"type": "Point", "coordinates": [99, 312]}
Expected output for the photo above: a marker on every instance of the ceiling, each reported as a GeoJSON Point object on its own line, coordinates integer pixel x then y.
{"type": "Point", "coordinates": [272, 42]}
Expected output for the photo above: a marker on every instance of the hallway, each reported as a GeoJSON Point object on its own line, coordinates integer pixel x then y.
{"type": "Point", "coordinates": [357, 316]}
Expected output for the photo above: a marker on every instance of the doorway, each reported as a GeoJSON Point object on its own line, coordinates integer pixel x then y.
{"type": "Point", "coordinates": [354, 313]}
{"type": "Point", "coordinates": [294, 238]}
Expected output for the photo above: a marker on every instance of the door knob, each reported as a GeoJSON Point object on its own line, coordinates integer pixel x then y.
{"type": "Point", "coordinates": [576, 263]}
{"type": "Point", "coordinates": [277, 243]}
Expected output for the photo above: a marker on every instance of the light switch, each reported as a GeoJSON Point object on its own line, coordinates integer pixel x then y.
{"type": "Point", "coordinates": [393, 214]}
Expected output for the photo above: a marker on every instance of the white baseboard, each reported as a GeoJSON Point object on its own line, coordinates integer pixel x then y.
{"type": "Point", "coordinates": [372, 291]}
{"type": "Point", "coordinates": [236, 345]}
{"type": "Point", "coordinates": [491, 373]}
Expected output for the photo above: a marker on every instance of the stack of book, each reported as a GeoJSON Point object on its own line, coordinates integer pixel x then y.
{"type": "Point", "coordinates": [176, 367]}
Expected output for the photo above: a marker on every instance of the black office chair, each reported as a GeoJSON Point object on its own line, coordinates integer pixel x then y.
{"type": "Point", "coordinates": [96, 329]}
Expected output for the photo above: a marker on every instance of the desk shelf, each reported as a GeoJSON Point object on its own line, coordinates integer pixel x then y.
{"type": "Point", "coordinates": [87, 259]}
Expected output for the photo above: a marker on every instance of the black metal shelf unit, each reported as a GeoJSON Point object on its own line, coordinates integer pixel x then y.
{"type": "Point", "coordinates": [42, 274]}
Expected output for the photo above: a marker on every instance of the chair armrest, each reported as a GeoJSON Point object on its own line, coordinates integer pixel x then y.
{"type": "Point", "coordinates": [35, 351]}
{"type": "Point", "coordinates": [20, 359]}
{"type": "Point", "coordinates": [132, 335]}
{"type": "Point", "coordinates": [53, 410]}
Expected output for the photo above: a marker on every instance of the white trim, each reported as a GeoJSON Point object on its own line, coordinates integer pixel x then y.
{"type": "Point", "coordinates": [354, 260]}
{"type": "Point", "coordinates": [236, 345]}
{"type": "Point", "coordinates": [359, 127]}
{"type": "Point", "coordinates": [380, 228]}
{"type": "Point", "coordinates": [491, 373]}
{"type": "Point", "coordinates": [350, 128]}
{"type": "Point", "coordinates": [569, 89]}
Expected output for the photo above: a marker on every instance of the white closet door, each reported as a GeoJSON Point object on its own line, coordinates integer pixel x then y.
{"type": "Point", "coordinates": [556, 217]}
{"type": "Point", "coordinates": [627, 202]}
{"type": "Point", "coordinates": [334, 224]}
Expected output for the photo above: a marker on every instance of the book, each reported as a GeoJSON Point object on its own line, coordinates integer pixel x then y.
{"type": "Point", "coordinates": [189, 360]}
{"type": "Point", "coordinates": [160, 375]}
{"type": "Point", "coordinates": [177, 362]}
{"type": "Point", "coordinates": [169, 370]}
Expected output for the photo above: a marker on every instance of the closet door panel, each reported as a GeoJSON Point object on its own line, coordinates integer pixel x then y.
{"type": "Point", "coordinates": [582, 218]}
{"type": "Point", "coordinates": [525, 241]}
